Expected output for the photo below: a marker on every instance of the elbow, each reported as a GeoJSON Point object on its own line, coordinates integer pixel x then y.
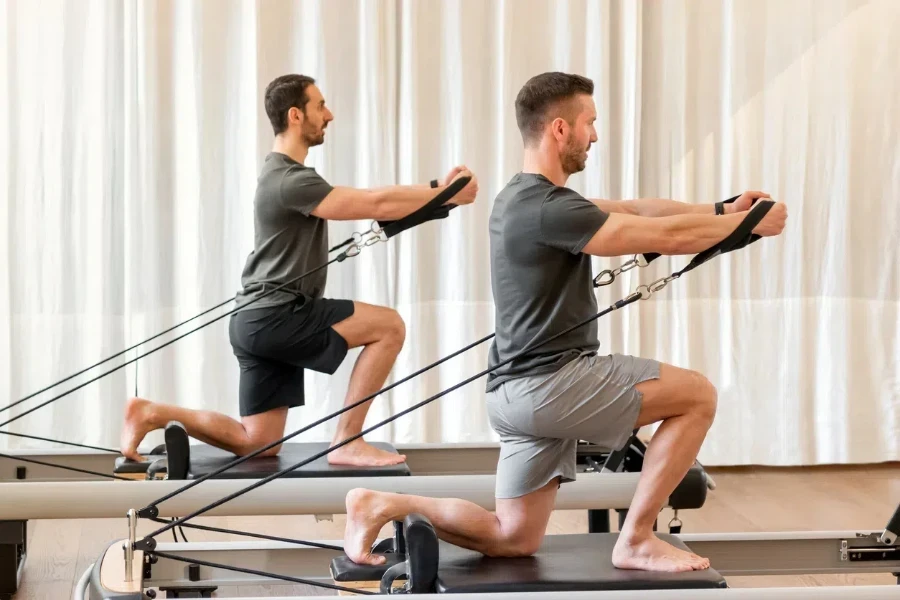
{"type": "Point", "coordinates": [672, 241]}
{"type": "Point", "coordinates": [380, 206]}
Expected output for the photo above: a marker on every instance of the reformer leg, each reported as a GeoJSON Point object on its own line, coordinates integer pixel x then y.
{"type": "Point", "coordinates": [598, 521]}
{"type": "Point", "coordinates": [13, 540]}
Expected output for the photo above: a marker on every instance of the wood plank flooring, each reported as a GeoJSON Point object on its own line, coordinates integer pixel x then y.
{"type": "Point", "coordinates": [746, 499]}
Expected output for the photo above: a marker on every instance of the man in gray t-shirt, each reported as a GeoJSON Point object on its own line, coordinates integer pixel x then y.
{"type": "Point", "coordinates": [283, 324]}
{"type": "Point", "coordinates": [542, 282]}
{"type": "Point", "coordinates": [543, 400]}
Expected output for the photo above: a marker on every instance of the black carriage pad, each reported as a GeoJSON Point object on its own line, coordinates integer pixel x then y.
{"type": "Point", "coordinates": [206, 459]}
{"type": "Point", "coordinates": [343, 569]}
{"type": "Point", "coordinates": [186, 461]}
{"type": "Point", "coordinates": [576, 562]}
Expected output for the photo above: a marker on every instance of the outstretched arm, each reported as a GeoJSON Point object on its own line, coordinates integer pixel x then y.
{"type": "Point", "coordinates": [623, 234]}
{"type": "Point", "coordinates": [662, 207]}
{"type": "Point", "coordinates": [391, 202]}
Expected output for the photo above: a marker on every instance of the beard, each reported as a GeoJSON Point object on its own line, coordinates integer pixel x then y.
{"type": "Point", "coordinates": [574, 158]}
{"type": "Point", "coordinates": [312, 135]}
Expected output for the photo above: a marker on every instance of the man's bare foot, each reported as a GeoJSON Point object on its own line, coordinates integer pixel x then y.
{"type": "Point", "coordinates": [364, 522]}
{"type": "Point", "coordinates": [358, 453]}
{"type": "Point", "coordinates": [653, 554]}
{"type": "Point", "coordinates": [138, 424]}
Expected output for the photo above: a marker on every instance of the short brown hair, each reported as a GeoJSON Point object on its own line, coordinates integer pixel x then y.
{"type": "Point", "coordinates": [284, 93]}
{"type": "Point", "coordinates": [542, 93]}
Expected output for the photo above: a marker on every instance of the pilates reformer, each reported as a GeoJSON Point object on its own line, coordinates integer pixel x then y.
{"type": "Point", "coordinates": [575, 564]}
{"type": "Point", "coordinates": [114, 577]}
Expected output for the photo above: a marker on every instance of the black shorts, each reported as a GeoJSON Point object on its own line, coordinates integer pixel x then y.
{"type": "Point", "coordinates": [275, 344]}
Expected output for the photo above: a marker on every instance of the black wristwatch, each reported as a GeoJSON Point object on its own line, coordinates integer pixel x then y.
{"type": "Point", "coordinates": [720, 208]}
{"type": "Point", "coordinates": [434, 183]}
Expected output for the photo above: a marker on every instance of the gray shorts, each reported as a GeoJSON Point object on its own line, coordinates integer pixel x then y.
{"type": "Point", "coordinates": [541, 418]}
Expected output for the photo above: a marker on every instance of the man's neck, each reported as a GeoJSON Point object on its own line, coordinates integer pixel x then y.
{"type": "Point", "coordinates": [294, 148]}
{"type": "Point", "coordinates": [540, 162]}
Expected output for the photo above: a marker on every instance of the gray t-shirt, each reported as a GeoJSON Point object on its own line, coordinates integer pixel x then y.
{"type": "Point", "coordinates": [541, 281]}
{"type": "Point", "coordinates": [288, 239]}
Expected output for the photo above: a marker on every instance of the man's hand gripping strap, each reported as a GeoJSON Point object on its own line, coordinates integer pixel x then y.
{"type": "Point", "coordinates": [740, 237]}
{"type": "Point", "coordinates": [437, 208]}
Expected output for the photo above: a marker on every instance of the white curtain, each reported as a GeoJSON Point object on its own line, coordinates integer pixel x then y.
{"type": "Point", "coordinates": [132, 134]}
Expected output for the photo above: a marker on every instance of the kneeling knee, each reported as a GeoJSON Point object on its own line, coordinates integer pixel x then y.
{"type": "Point", "coordinates": [253, 445]}
{"type": "Point", "coordinates": [519, 547]}
{"type": "Point", "coordinates": [273, 451]}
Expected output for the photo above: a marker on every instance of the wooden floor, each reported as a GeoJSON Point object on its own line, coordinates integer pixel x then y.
{"type": "Point", "coordinates": [746, 499]}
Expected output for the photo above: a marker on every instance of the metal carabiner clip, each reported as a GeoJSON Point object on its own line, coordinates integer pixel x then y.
{"type": "Point", "coordinates": [607, 276]}
{"type": "Point", "coordinates": [599, 280]}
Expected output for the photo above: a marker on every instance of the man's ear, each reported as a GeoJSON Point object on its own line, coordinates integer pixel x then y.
{"type": "Point", "coordinates": [559, 128]}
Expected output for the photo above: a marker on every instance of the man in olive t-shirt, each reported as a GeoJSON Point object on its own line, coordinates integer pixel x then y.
{"type": "Point", "coordinates": [278, 335]}
{"type": "Point", "coordinates": [542, 237]}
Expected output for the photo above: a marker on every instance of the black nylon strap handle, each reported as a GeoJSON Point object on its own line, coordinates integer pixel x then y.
{"type": "Point", "coordinates": [436, 208]}
{"type": "Point", "coordinates": [741, 236]}
{"type": "Point", "coordinates": [651, 256]}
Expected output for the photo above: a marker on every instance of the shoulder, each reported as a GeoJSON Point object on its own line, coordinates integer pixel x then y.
{"type": "Point", "coordinates": [559, 202]}
{"type": "Point", "coordinates": [283, 168]}
{"type": "Point", "coordinates": [555, 195]}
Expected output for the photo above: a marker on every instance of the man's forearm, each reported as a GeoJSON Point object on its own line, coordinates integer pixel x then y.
{"type": "Point", "coordinates": [654, 207]}
{"type": "Point", "coordinates": [396, 201]}
{"type": "Point", "coordinates": [693, 233]}
{"type": "Point", "coordinates": [662, 207]}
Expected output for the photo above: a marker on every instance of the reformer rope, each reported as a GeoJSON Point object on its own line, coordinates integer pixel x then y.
{"type": "Point", "coordinates": [260, 536]}
{"type": "Point", "coordinates": [355, 238]}
{"type": "Point", "coordinates": [109, 358]}
{"type": "Point", "coordinates": [338, 258]}
{"type": "Point", "coordinates": [434, 208]}
{"type": "Point", "coordinates": [213, 565]}
{"type": "Point", "coordinates": [739, 238]}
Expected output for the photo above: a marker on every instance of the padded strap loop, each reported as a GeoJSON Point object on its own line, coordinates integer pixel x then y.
{"type": "Point", "coordinates": [178, 451]}
{"type": "Point", "coordinates": [436, 208]}
{"type": "Point", "coordinates": [422, 553]}
{"type": "Point", "coordinates": [742, 236]}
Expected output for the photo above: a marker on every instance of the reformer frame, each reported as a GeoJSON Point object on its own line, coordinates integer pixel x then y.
{"type": "Point", "coordinates": [731, 554]}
